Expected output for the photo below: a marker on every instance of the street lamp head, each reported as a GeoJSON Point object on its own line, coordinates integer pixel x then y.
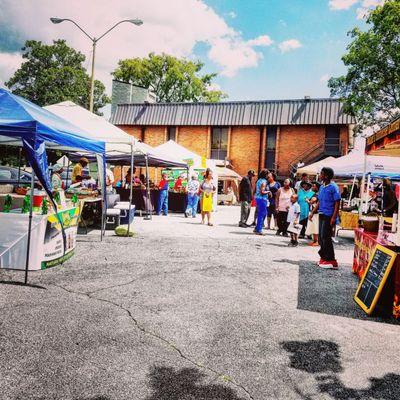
{"type": "Point", "coordinates": [136, 21]}
{"type": "Point", "coordinates": [56, 20]}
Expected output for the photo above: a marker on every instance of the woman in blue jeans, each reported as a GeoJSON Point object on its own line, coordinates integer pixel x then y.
{"type": "Point", "coordinates": [261, 200]}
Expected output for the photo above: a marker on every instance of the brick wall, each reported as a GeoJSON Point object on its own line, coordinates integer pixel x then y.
{"type": "Point", "coordinates": [245, 148]}
{"type": "Point", "coordinates": [294, 141]}
{"type": "Point", "coordinates": [135, 131]}
{"type": "Point", "coordinates": [154, 135]}
{"type": "Point", "coordinates": [194, 138]}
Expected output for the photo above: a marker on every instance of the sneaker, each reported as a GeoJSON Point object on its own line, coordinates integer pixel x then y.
{"type": "Point", "coordinates": [259, 233]}
{"type": "Point", "coordinates": [329, 265]}
{"type": "Point", "coordinates": [193, 216]}
{"type": "Point", "coordinates": [242, 225]}
{"type": "Point", "coordinates": [285, 234]}
{"type": "Point", "coordinates": [277, 233]}
{"type": "Point", "coordinates": [186, 214]}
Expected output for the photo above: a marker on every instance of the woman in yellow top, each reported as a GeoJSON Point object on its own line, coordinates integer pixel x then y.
{"type": "Point", "coordinates": [78, 170]}
{"type": "Point", "coordinates": [207, 190]}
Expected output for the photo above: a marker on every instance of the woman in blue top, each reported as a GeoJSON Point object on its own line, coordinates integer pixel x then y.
{"type": "Point", "coordinates": [304, 196]}
{"type": "Point", "coordinates": [261, 196]}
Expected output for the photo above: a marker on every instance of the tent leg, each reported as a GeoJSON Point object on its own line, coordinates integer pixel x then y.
{"type": "Point", "coordinates": [352, 188]}
{"type": "Point", "coordinates": [130, 192]}
{"type": "Point", "coordinates": [102, 220]}
{"type": "Point", "coordinates": [29, 227]}
{"type": "Point", "coordinates": [19, 165]}
{"type": "Point", "coordinates": [148, 211]}
{"type": "Point", "coordinates": [66, 179]}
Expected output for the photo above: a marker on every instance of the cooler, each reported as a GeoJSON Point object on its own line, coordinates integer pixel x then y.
{"type": "Point", "coordinates": [124, 207]}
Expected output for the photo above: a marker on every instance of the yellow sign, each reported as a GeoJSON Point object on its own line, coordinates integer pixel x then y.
{"type": "Point", "coordinates": [203, 162]}
{"type": "Point", "coordinates": [374, 278]}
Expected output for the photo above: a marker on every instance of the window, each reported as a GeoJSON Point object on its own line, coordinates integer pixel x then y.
{"type": "Point", "coordinates": [270, 150]}
{"type": "Point", "coordinates": [171, 133]}
{"type": "Point", "coordinates": [219, 143]}
{"type": "Point", "coordinates": [332, 140]}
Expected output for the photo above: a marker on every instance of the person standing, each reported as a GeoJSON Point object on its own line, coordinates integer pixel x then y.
{"type": "Point", "coordinates": [304, 178]}
{"type": "Point", "coordinates": [273, 187]}
{"type": "Point", "coordinates": [56, 179]}
{"type": "Point", "coordinates": [282, 206]}
{"type": "Point", "coordinates": [304, 195]}
{"type": "Point", "coordinates": [109, 181]}
{"type": "Point", "coordinates": [328, 209]}
{"type": "Point", "coordinates": [179, 183]}
{"type": "Point", "coordinates": [78, 173]}
{"type": "Point", "coordinates": [193, 188]}
{"type": "Point", "coordinates": [293, 218]}
{"type": "Point", "coordinates": [313, 222]}
{"type": "Point", "coordinates": [163, 187]}
{"type": "Point", "coordinates": [389, 201]}
{"type": "Point", "coordinates": [261, 196]}
{"type": "Point", "coordinates": [207, 190]}
{"type": "Point", "coordinates": [245, 197]}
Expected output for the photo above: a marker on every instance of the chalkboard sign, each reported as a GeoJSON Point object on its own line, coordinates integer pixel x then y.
{"type": "Point", "coordinates": [374, 279]}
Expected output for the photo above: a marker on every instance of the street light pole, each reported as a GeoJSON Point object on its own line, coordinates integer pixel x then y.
{"type": "Point", "coordinates": [94, 41]}
{"type": "Point", "coordinates": [91, 96]}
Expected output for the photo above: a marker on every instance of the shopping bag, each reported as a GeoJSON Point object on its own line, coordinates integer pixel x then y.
{"type": "Point", "coordinates": [207, 203]}
{"type": "Point", "coordinates": [294, 228]}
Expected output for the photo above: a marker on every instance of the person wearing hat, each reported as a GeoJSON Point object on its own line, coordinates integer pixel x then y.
{"type": "Point", "coordinates": [56, 179]}
{"type": "Point", "coordinates": [77, 172]}
{"type": "Point", "coordinates": [245, 197]}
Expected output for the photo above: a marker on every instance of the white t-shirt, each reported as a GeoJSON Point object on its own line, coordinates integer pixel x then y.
{"type": "Point", "coordinates": [109, 180]}
{"type": "Point", "coordinates": [294, 212]}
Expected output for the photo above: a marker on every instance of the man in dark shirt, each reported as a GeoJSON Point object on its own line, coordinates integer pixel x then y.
{"type": "Point", "coordinates": [245, 197]}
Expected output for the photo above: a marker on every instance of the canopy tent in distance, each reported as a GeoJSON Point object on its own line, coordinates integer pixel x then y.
{"type": "Point", "coordinates": [315, 168]}
{"type": "Point", "coordinates": [119, 144]}
{"type": "Point", "coordinates": [37, 129]}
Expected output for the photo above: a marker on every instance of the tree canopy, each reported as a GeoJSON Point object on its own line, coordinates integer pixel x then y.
{"type": "Point", "coordinates": [171, 79]}
{"type": "Point", "coordinates": [54, 73]}
{"type": "Point", "coordinates": [371, 88]}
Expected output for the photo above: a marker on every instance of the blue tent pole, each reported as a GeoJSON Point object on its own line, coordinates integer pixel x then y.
{"type": "Point", "coordinates": [29, 226]}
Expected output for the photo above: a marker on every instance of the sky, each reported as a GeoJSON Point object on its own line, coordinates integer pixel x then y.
{"type": "Point", "coordinates": [261, 49]}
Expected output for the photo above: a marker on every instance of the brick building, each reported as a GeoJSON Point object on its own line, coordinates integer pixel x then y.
{"type": "Point", "coordinates": [274, 134]}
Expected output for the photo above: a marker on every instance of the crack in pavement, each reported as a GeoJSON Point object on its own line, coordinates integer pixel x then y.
{"type": "Point", "coordinates": [160, 338]}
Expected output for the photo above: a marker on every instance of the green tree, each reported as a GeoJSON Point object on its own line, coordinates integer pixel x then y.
{"type": "Point", "coordinates": [371, 88]}
{"type": "Point", "coordinates": [170, 78]}
{"type": "Point", "coordinates": [54, 73]}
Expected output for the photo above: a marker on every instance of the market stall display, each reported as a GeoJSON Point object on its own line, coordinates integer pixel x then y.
{"type": "Point", "coordinates": [24, 123]}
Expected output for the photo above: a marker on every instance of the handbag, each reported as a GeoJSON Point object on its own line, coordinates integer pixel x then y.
{"type": "Point", "coordinates": [294, 228]}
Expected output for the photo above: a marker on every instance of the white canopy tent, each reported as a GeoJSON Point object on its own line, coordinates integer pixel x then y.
{"type": "Point", "coordinates": [356, 163]}
{"type": "Point", "coordinates": [313, 169]}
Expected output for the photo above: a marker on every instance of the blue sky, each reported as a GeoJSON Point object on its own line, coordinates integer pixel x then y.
{"type": "Point", "coordinates": [261, 49]}
{"type": "Point", "coordinates": [321, 31]}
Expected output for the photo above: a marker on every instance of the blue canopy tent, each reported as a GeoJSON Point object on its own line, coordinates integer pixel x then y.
{"type": "Point", "coordinates": [38, 130]}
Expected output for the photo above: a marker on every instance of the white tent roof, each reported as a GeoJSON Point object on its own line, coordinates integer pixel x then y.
{"type": "Point", "coordinates": [313, 169]}
{"type": "Point", "coordinates": [97, 126]}
{"type": "Point", "coordinates": [177, 151]}
{"type": "Point", "coordinates": [227, 174]}
{"type": "Point", "coordinates": [353, 164]}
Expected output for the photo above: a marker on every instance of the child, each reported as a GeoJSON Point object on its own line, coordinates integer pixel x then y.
{"type": "Point", "coordinates": [293, 219]}
{"type": "Point", "coordinates": [328, 210]}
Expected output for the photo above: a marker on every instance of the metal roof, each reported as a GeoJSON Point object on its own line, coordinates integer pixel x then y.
{"type": "Point", "coordinates": [236, 113]}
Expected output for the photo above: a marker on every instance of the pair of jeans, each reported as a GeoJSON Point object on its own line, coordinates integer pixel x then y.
{"type": "Point", "coordinates": [326, 252]}
{"type": "Point", "coordinates": [245, 207]}
{"type": "Point", "coordinates": [282, 223]}
{"type": "Point", "coordinates": [162, 202]}
{"type": "Point", "coordinates": [262, 205]}
{"type": "Point", "coordinates": [192, 202]}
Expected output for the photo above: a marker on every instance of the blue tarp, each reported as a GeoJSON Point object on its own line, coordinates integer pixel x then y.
{"type": "Point", "coordinates": [38, 129]}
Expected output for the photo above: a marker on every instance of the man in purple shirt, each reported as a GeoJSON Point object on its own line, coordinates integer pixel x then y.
{"type": "Point", "coordinates": [328, 210]}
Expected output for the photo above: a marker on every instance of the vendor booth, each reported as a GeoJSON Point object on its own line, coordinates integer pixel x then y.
{"type": "Point", "coordinates": [122, 149]}
{"type": "Point", "coordinates": [42, 233]}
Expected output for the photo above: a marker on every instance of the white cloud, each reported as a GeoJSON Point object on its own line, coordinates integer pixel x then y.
{"type": "Point", "coordinates": [232, 14]}
{"type": "Point", "coordinates": [263, 41]}
{"type": "Point", "coordinates": [324, 78]}
{"type": "Point", "coordinates": [9, 63]}
{"type": "Point", "coordinates": [341, 4]}
{"type": "Point", "coordinates": [289, 45]}
{"type": "Point", "coordinates": [173, 27]}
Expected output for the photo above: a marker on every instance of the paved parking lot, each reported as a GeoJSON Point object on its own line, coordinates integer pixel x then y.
{"type": "Point", "coordinates": [185, 311]}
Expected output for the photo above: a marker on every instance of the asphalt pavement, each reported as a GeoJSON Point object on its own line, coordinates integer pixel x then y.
{"type": "Point", "coordinates": [184, 311]}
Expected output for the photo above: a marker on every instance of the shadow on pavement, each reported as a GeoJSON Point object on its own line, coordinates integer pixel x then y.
{"type": "Point", "coordinates": [95, 398]}
{"type": "Point", "coordinates": [329, 292]}
{"type": "Point", "coordinates": [15, 283]}
{"type": "Point", "coordinates": [170, 384]}
{"type": "Point", "coordinates": [322, 358]}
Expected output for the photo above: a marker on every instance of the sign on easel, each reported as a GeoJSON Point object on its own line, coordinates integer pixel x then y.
{"type": "Point", "coordinates": [374, 279]}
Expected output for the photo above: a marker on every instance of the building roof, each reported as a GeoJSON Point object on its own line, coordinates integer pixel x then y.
{"type": "Point", "coordinates": [391, 127]}
{"type": "Point", "coordinates": [235, 113]}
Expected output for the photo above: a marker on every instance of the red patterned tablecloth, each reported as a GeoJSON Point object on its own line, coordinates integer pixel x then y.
{"type": "Point", "coordinates": [364, 246]}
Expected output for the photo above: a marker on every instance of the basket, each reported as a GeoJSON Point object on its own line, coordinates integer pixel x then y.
{"type": "Point", "coordinates": [6, 189]}
{"type": "Point", "coordinates": [370, 224]}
